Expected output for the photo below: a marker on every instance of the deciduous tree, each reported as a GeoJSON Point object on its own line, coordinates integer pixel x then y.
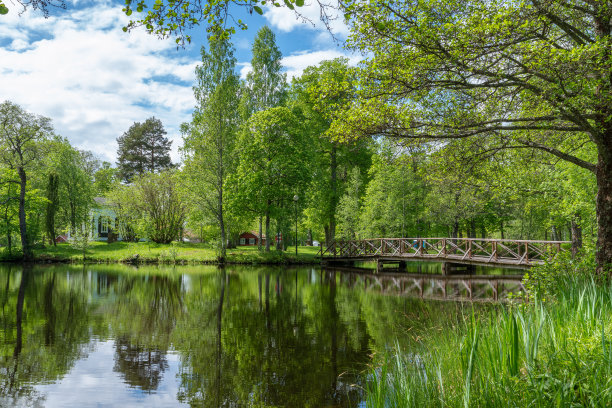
{"type": "Point", "coordinates": [20, 134]}
{"type": "Point", "coordinates": [530, 74]}
{"type": "Point", "coordinates": [210, 137]}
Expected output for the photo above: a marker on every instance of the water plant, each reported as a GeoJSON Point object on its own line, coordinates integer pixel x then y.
{"type": "Point", "coordinates": [554, 353]}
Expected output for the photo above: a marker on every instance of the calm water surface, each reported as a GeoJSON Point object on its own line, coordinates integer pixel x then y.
{"type": "Point", "coordinates": [106, 336]}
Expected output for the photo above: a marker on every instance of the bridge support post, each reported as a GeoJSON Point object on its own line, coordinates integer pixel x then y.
{"type": "Point", "coordinates": [379, 265]}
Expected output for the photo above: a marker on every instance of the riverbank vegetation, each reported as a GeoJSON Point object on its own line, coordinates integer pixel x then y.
{"type": "Point", "coordinates": [177, 253]}
{"type": "Point", "coordinates": [555, 350]}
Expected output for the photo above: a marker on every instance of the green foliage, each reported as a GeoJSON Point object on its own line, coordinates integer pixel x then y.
{"type": "Point", "coordinates": [80, 242]}
{"type": "Point", "coordinates": [209, 140]}
{"type": "Point", "coordinates": [265, 84]}
{"type": "Point", "coordinates": [273, 164]}
{"type": "Point", "coordinates": [151, 207]}
{"type": "Point", "coordinates": [554, 354]}
{"type": "Point", "coordinates": [542, 281]}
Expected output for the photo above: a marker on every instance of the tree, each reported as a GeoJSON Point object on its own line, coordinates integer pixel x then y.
{"type": "Point", "coordinates": [266, 84]}
{"type": "Point", "coordinates": [52, 206]}
{"type": "Point", "coordinates": [143, 149]}
{"type": "Point", "coordinates": [9, 208]}
{"type": "Point", "coordinates": [20, 133]}
{"type": "Point", "coordinates": [530, 75]}
{"type": "Point", "coordinates": [210, 137]}
{"type": "Point", "coordinates": [273, 165]}
{"type": "Point", "coordinates": [104, 179]}
{"type": "Point", "coordinates": [320, 93]}
{"type": "Point", "coordinates": [75, 170]}
{"type": "Point", "coordinates": [150, 207]}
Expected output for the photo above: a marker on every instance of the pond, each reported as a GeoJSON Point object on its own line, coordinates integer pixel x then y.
{"type": "Point", "coordinates": [160, 336]}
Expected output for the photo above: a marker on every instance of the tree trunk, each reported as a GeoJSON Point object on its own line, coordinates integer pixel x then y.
{"type": "Point", "coordinates": [268, 227]}
{"type": "Point", "coordinates": [501, 228]}
{"type": "Point", "coordinates": [25, 245]}
{"type": "Point", "coordinates": [260, 233]}
{"type": "Point", "coordinates": [604, 211]}
{"type": "Point", "coordinates": [334, 195]}
{"type": "Point", "coordinates": [576, 234]}
{"type": "Point", "coordinates": [221, 224]}
{"type": "Point", "coordinates": [472, 228]}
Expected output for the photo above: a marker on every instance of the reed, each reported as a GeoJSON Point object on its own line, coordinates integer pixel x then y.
{"type": "Point", "coordinates": [557, 353]}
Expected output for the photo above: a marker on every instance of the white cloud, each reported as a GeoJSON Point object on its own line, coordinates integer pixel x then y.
{"type": "Point", "coordinates": [296, 63]}
{"type": "Point", "coordinates": [286, 20]}
{"type": "Point", "coordinates": [245, 68]}
{"type": "Point", "coordinates": [81, 70]}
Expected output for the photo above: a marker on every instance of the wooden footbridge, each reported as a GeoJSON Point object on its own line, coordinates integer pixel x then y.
{"type": "Point", "coordinates": [470, 251]}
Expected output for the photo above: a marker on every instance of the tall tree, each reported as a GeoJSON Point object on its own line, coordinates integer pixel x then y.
{"type": "Point", "coordinates": [529, 74]}
{"type": "Point", "coordinates": [144, 148]}
{"type": "Point", "coordinates": [320, 93]}
{"type": "Point", "coordinates": [52, 206]}
{"type": "Point", "coordinates": [20, 134]}
{"type": "Point", "coordinates": [273, 167]}
{"type": "Point", "coordinates": [265, 84]}
{"type": "Point", "coordinates": [209, 138]}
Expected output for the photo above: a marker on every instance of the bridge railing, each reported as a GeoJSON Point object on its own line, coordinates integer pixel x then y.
{"type": "Point", "coordinates": [508, 251]}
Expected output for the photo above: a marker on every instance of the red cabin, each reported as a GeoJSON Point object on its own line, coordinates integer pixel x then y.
{"type": "Point", "coordinates": [250, 239]}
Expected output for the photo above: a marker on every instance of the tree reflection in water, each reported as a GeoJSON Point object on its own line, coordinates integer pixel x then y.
{"type": "Point", "coordinates": [242, 336]}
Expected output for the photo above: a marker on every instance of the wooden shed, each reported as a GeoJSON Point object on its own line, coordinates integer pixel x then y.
{"type": "Point", "coordinates": [250, 238]}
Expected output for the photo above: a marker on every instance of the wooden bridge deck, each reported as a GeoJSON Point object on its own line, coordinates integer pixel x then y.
{"type": "Point", "coordinates": [494, 252]}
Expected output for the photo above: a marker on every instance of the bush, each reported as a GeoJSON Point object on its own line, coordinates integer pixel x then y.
{"type": "Point", "coordinates": [543, 281]}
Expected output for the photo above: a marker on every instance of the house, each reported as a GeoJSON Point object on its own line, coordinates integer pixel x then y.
{"type": "Point", "coordinates": [250, 238]}
{"type": "Point", "coordinates": [103, 220]}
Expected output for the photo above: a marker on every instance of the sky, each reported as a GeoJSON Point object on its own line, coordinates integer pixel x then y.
{"type": "Point", "coordinates": [94, 81]}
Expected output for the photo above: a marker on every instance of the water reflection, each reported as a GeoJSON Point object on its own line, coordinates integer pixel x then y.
{"type": "Point", "coordinates": [199, 336]}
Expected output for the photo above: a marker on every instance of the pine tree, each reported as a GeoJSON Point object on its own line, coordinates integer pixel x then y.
{"type": "Point", "coordinates": [144, 148]}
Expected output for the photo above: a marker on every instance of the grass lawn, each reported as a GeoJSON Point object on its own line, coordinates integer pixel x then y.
{"type": "Point", "coordinates": [173, 253]}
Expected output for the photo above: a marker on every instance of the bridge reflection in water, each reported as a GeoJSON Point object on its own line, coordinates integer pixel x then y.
{"type": "Point", "coordinates": [478, 288]}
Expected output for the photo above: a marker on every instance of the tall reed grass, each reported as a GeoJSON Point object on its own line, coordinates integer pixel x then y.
{"type": "Point", "coordinates": [553, 354]}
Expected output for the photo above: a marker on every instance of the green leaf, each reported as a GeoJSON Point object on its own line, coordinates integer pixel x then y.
{"type": "Point", "coordinates": [128, 12]}
{"type": "Point", "coordinates": [124, 29]}
{"type": "Point", "coordinates": [289, 4]}
{"type": "Point", "coordinates": [3, 9]}
{"type": "Point", "coordinates": [299, 3]}
{"type": "Point", "coordinates": [258, 10]}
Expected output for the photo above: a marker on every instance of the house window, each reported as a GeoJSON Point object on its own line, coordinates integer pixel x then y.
{"type": "Point", "coordinates": [104, 227]}
{"type": "Point", "coordinates": [241, 241]}
{"type": "Point", "coordinates": [251, 241]}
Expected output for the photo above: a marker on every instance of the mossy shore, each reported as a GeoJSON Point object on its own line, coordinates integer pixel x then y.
{"type": "Point", "coordinates": [175, 253]}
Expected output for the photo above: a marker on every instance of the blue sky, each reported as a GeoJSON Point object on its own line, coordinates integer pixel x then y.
{"type": "Point", "coordinates": [93, 80]}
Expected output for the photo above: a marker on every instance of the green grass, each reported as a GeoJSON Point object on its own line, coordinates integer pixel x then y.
{"type": "Point", "coordinates": [557, 354]}
{"type": "Point", "coordinates": [175, 253]}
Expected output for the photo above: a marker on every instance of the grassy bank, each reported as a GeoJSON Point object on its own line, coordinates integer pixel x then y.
{"type": "Point", "coordinates": [553, 354]}
{"type": "Point", "coordinates": [176, 253]}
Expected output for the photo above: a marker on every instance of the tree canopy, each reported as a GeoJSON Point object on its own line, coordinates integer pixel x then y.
{"type": "Point", "coordinates": [143, 148]}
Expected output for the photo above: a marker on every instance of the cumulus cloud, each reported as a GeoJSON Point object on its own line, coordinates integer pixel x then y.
{"type": "Point", "coordinates": [307, 16]}
{"type": "Point", "coordinates": [91, 78]}
{"type": "Point", "coordinates": [296, 63]}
